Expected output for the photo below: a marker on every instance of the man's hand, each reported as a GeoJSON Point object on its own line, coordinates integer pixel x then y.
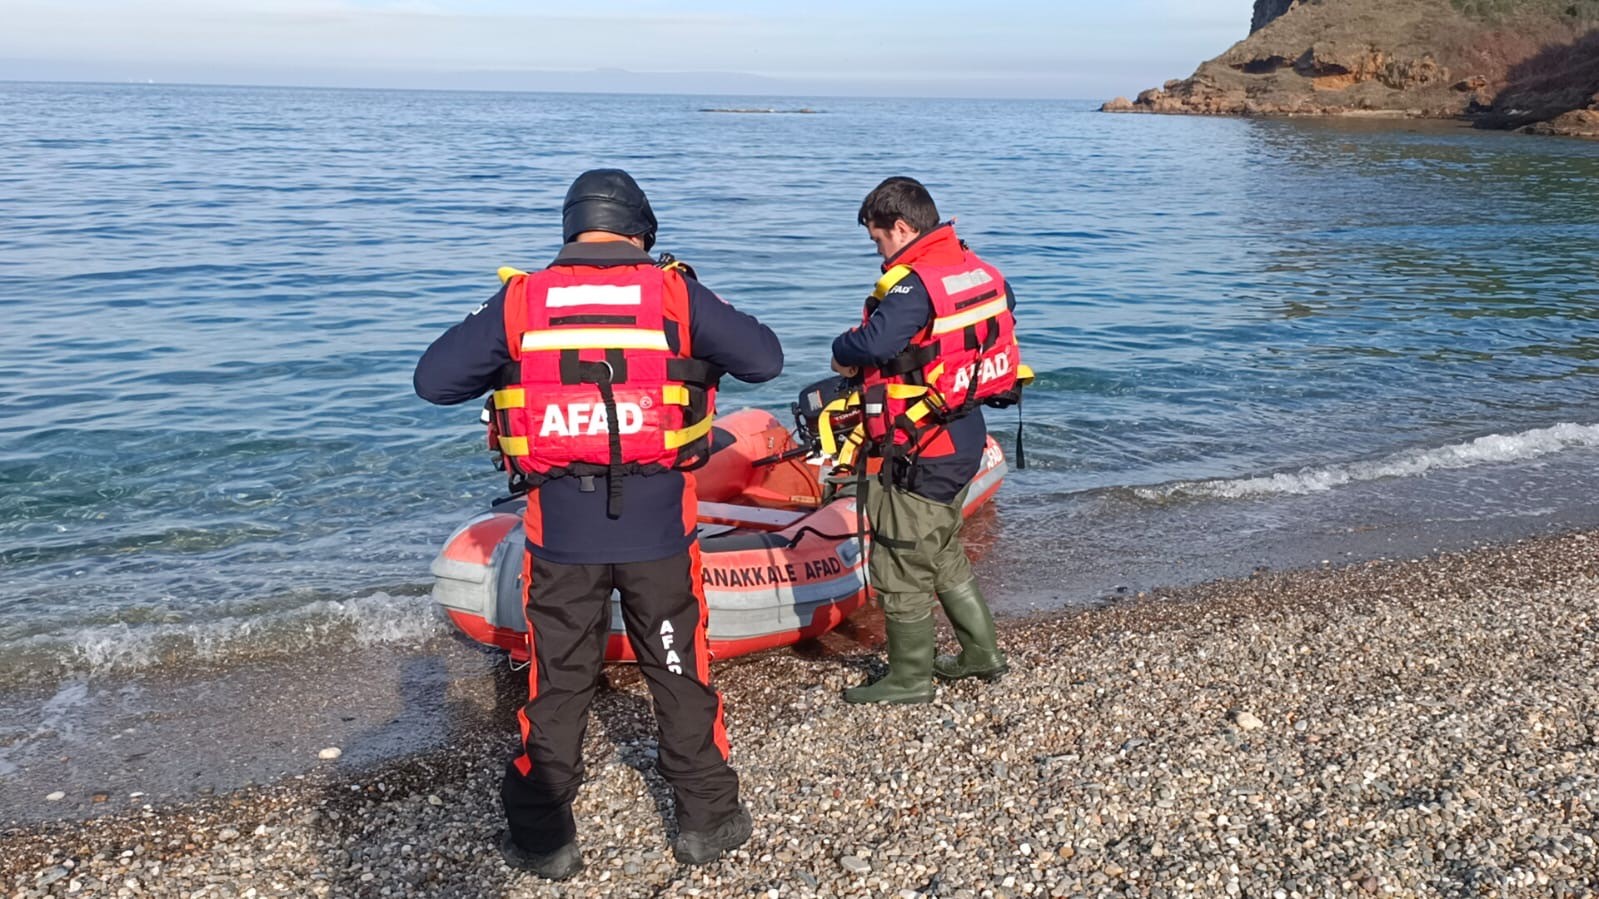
{"type": "Point", "coordinates": [848, 371]}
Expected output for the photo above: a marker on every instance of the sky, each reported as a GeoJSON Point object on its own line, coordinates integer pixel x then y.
{"type": "Point", "coordinates": [1028, 48]}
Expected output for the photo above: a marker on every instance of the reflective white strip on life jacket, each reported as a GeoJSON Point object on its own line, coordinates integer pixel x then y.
{"type": "Point", "coordinates": [594, 338]}
{"type": "Point", "coordinates": [594, 295]}
{"type": "Point", "coordinates": [965, 281]}
{"type": "Point", "coordinates": [972, 316]}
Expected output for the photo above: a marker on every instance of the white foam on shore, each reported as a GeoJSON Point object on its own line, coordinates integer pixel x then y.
{"type": "Point", "coordinates": [1494, 448]}
{"type": "Point", "coordinates": [374, 619]}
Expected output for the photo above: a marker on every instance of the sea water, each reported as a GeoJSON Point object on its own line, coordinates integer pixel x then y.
{"type": "Point", "coordinates": [1257, 342]}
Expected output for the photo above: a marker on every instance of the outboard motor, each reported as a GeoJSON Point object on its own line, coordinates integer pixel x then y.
{"type": "Point", "coordinates": [811, 405]}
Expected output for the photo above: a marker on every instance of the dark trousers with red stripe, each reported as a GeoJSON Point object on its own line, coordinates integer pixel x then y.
{"type": "Point", "coordinates": [568, 612]}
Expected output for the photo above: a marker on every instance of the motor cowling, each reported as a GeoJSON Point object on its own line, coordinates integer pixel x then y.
{"type": "Point", "coordinates": [813, 403]}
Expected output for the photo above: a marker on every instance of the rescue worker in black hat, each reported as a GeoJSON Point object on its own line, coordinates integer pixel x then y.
{"type": "Point", "coordinates": [937, 342]}
{"type": "Point", "coordinates": [604, 369]}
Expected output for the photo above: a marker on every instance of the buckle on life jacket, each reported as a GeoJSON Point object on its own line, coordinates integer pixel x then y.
{"type": "Point", "coordinates": [1013, 396]}
{"type": "Point", "coordinates": [610, 370]}
{"type": "Point", "coordinates": [668, 262]}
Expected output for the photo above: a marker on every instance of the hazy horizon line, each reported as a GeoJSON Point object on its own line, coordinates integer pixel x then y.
{"type": "Point", "coordinates": [131, 82]}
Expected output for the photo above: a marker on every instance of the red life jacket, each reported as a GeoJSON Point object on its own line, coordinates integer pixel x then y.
{"type": "Point", "coordinates": [597, 389]}
{"type": "Point", "coordinates": [965, 356]}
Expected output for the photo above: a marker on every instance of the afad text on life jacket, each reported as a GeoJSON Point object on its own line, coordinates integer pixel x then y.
{"type": "Point", "coordinates": [588, 419]}
{"type": "Point", "coordinates": [991, 368]}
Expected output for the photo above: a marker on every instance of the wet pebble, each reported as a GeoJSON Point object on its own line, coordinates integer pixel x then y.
{"type": "Point", "coordinates": [1415, 740]}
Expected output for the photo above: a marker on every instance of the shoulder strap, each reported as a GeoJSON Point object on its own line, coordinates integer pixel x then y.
{"type": "Point", "coordinates": [675, 307]}
{"type": "Point", "coordinates": [515, 309]}
{"type": "Point", "coordinates": [890, 278]}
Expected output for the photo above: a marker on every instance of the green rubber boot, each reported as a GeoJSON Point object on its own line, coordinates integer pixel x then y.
{"type": "Point", "coordinates": [910, 666]}
{"type": "Point", "coordinates": [974, 628]}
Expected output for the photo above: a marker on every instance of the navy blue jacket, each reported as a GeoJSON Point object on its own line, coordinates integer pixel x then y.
{"type": "Point", "coordinates": [904, 312]}
{"type": "Point", "coordinates": [467, 361]}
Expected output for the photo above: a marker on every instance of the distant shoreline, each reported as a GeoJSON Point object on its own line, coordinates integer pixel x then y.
{"type": "Point", "coordinates": [1087, 102]}
{"type": "Point", "coordinates": [742, 110]}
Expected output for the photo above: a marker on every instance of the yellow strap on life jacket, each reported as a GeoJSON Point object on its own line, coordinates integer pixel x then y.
{"type": "Point", "coordinates": [846, 449]}
{"type": "Point", "coordinates": [510, 398]}
{"type": "Point", "coordinates": [927, 400]}
{"type": "Point", "coordinates": [594, 339]}
{"type": "Point", "coordinates": [890, 278]}
{"type": "Point", "coordinates": [919, 411]}
{"type": "Point", "coordinates": [678, 395]}
{"type": "Point", "coordinates": [506, 273]}
{"type": "Point", "coordinates": [968, 317]}
{"type": "Point", "coordinates": [824, 421]}
{"type": "Point", "coordinates": [513, 446]}
{"type": "Point", "coordinates": [685, 436]}
{"type": "Point", "coordinates": [850, 449]}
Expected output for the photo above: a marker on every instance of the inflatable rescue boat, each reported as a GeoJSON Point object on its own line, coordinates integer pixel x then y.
{"type": "Point", "coordinates": [780, 563]}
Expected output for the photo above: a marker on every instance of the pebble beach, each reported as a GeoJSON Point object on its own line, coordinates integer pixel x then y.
{"type": "Point", "coordinates": [1401, 728]}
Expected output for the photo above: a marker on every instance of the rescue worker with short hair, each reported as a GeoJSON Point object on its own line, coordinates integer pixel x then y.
{"type": "Point", "coordinates": [937, 333]}
{"type": "Point", "coordinates": [604, 367]}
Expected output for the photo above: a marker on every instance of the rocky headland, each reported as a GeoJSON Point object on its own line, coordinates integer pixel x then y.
{"type": "Point", "coordinates": [1504, 64]}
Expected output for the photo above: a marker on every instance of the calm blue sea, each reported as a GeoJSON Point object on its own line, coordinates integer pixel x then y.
{"type": "Point", "coordinates": [1249, 333]}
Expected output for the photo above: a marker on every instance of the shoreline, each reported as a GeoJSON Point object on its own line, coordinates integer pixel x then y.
{"type": "Point", "coordinates": [1481, 124]}
{"type": "Point", "coordinates": [1422, 727]}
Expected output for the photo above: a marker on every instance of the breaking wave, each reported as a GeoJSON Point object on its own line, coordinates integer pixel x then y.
{"type": "Point", "coordinates": [374, 619]}
{"type": "Point", "coordinates": [1494, 448]}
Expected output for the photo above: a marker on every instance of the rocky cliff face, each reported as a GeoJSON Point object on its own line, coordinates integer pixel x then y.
{"type": "Point", "coordinates": [1530, 64]}
{"type": "Point", "coordinates": [1266, 11]}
